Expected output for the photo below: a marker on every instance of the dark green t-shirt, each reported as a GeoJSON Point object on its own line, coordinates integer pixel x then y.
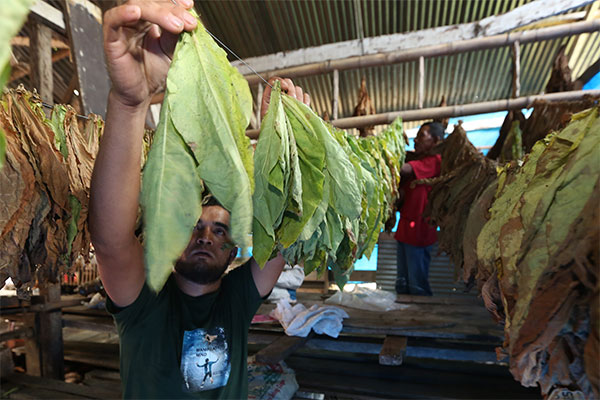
{"type": "Point", "coordinates": [178, 347]}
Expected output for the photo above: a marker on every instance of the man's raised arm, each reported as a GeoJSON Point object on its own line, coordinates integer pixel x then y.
{"type": "Point", "coordinates": [139, 39]}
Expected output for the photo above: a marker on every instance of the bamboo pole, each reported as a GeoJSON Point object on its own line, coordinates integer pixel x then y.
{"type": "Point", "coordinates": [336, 94]}
{"type": "Point", "coordinates": [421, 80]}
{"type": "Point", "coordinates": [375, 60]}
{"type": "Point", "coordinates": [259, 97]}
{"type": "Point", "coordinates": [454, 111]}
{"type": "Point", "coordinates": [516, 52]}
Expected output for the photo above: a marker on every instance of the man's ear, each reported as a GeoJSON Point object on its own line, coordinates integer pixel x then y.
{"type": "Point", "coordinates": [233, 254]}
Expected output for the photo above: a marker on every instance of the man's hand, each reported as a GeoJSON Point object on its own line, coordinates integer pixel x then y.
{"type": "Point", "coordinates": [288, 87]}
{"type": "Point", "coordinates": [139, 40]}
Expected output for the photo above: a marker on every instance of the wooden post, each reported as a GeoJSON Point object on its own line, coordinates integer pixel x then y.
{"type": "Point", "coordinates": [516, 86]}
{"type": "Point", "coordinates": [392, 351]}
{"type": "Point", "coordinates": [44, 350]}
{"type": "Point", "coordinates": [84, 25]}
{"type": "Point", "coordinates": [41, 60]}
{"type": "Point", "coordinates": [421, 80]}
{"type": "Point", "coordinates": [336, 94]}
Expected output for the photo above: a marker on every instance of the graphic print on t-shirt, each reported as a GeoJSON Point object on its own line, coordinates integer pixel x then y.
{"type": "Point", "coordinates": [205, 363]}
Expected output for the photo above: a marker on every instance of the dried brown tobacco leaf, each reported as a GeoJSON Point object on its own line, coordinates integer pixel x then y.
{"type": "Point", "coordinates": [545, 222]}
{"type": "Point", "coordinates": [44, 188]}
{"type": "Point", "coordinates": [465, 173]}
{"type": "Point", "coordinates": [18, 202]}
{"type": "Point", "coordinates": [364, 107]}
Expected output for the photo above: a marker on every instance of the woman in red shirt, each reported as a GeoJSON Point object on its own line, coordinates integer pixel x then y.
{"type": "Point", "coordinates": [414, 235]}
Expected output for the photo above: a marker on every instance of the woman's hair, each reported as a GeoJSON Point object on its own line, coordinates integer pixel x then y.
{"type": "Point", "coordinates": [435, 130]}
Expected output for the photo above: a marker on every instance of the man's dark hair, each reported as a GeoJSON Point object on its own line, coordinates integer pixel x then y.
{"type": "Point", "coordinates": [210, 200]}
{"type": "Point", "coordinates": [435, 130]}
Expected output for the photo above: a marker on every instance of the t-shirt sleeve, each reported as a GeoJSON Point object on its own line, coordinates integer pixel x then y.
{"type": "Point", "coordinates": [133, 313]}
{"type": "Point", "coordinates": [243, 291]}
{"type": "Point", "coordinates": [427, 167]}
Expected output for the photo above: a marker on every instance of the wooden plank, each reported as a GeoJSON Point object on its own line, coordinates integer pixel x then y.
{"type": "Point", "coordinates": [393, 350]}
{"type": "Point", "coordinates": [493, 25]}
{"type": "Point", "coordinates": [25, 42]}
{"type": "Point", "coordinates": [85, 36]}
{"type": "Point", "coordinates": [89, 323]}
{"type": "Point", "coordinates": [59, 386]}
{"type": "Point", "coordinates": [104, 355]}
{"type": "Point", "coordinates": [49, 15]}
{"type": "Point", "coordinates": [24, 70]}
{"type": "Point", "coordinates": [280, 349]}
{"type": "Point", "coordinates": [16, 334]}
{"type": "Point", "coordinates": [40, 63]}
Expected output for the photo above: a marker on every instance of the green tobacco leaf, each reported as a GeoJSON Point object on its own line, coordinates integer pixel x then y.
{"type": "Point", "coordinates": [57, 123]}
{"type": "Point", "coordinates": [75, 206]}
{"type": "Point", "coordinates": [346, 194]}
{"type": "Point", "coordinates": [210, 105]}
{"type": "Point", "coordinates": [171, 200]}
{"type": "Point", "coordinates": [271, 172]}
{"type": "Point", "coordinates": [311, 156]}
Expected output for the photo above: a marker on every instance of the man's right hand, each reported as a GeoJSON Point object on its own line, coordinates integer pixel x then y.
{"type": "Point", "coordinates": [139, 40]}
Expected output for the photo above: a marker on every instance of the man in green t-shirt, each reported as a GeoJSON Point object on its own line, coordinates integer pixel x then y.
{"type": "Point", "coordinates": [189, 340]}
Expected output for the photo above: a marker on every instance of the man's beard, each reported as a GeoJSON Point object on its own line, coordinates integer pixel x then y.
{"type": "Point", "coordinates": [199, 273]}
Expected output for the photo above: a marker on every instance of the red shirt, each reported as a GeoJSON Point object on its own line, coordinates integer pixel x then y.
{"type": "Point", "coordinates": [412, 228]}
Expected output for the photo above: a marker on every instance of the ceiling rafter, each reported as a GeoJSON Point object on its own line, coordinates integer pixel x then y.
{"type": "Point", "coordinates": [493, 25]}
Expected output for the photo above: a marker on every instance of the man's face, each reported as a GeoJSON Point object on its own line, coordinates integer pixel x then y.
{"type": "Point", "coordinates": [424, 141]}
{"type": "Point", "coordinates": [210, 250]}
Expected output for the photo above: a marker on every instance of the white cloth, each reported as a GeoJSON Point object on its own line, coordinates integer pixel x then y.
{"type": "Point", "coordinates": [298, 320]}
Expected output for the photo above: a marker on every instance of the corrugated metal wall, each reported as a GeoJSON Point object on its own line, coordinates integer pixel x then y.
{"type": "Point", "coordinates": [441, 271]}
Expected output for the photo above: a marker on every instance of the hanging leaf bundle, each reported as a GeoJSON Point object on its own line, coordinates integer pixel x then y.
{"type": "Point", "coordinates": [13, 16]}
{"type": "Point", "coordinates": [321, 196]}
{"type": "Point", "coordinates": [531, 241]}
{"type": "Point", "coordinates": [44, 188]}
{"type": "Point", "coordinates": [199, 144]}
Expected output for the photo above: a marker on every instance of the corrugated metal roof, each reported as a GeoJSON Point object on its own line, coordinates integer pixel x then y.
{"type": "Point", "coordinates": [255, 28]}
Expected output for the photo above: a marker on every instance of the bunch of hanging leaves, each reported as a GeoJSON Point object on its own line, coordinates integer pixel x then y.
{"type": "Point", "coordinates": [321, 196]}
{"type": "Point", "coordinates": [541, 242]}
{"type": "Point", "coordinates": [199, 144]}
{"type": "Point", "coordinates": [44, 188]}
{"type": "Point", "coordinates": [530, 232]}
{"type": "Point", "coordinates": [464, 174]}
{"type": "Point", "coordinates": [12, 18]}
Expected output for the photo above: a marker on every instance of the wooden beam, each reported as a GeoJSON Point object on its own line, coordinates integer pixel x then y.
{"type": "Point", "coordinates": [393, 350]}
{"type": "Point", "coordinates": [493, 25]}
{"type": "Point", "coordinates": [41, 61]}
{"type": "Point", "coordinates": [24, 42]}
{"type": "Point", "coordinates": [396, 57]}
{"type": "Point", "coordinates": [85, 36]}
{"type": "Point", "coordinates": [280, 349]}
{"type": "Point", "coordinates": [19, 71]}
{"type": "Point", "coordinates": [454, 111]}
{"type": "Point", "coordinates": [48, 15]}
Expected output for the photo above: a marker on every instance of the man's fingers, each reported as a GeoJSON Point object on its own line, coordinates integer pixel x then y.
{"type": "Point", "coordinates": [299, 93]}
{"type": "Point", "coordinates": [117, 17]}
{"type": "Point", "coordinates": [306, 99]}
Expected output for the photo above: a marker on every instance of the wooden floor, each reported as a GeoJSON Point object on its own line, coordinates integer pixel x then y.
{"type": "Point", "coordinates": [449, 354]}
